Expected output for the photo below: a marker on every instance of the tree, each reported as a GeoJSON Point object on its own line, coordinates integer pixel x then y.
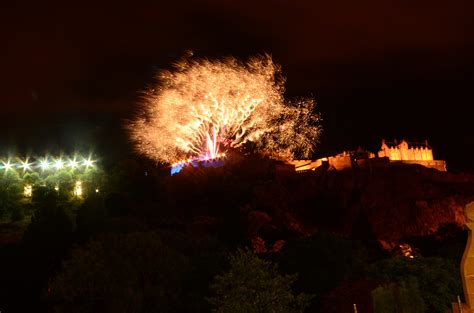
{"type": "Point", "coordinates": [403, 297]}
{"type": "Point", "coordinates": [254, 285]}
{"type": "Point", "coordinates": [134, 272]}
{"type": "Point", "coordinates": [323, 261]}
{"type": "Point", "coordinates": [91, 216]}
{"type": "Point", "coordinates": [52, 224]}
{"type": "Point", "coordinates": [10, 191]}
{"type": "Point", "coordinates": [438, 279]}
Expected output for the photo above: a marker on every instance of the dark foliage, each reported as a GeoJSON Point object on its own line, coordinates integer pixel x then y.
{"type": "Point", "coordinates": [254, 285]}
{"type": "Point", "coordinates": [323, 262]}
{"type": "Point", "coordinates": [157, 241]}
{"type": "Point", "coordinates": [438, 279]}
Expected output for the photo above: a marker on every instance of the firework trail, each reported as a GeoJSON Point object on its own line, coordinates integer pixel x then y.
{"type": "Point", "coordinates": [203, 107]}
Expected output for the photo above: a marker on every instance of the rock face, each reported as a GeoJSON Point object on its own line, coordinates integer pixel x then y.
{"type": "Point", "coordinates": [387, 203]}
{"type": "Point", "coordinates": [394, 202]}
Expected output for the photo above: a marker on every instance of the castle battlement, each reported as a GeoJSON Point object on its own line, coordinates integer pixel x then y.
{"type": "Point", "coordinates": [405, 152]}
{"type": "Point", "coordinates": [396, 152]}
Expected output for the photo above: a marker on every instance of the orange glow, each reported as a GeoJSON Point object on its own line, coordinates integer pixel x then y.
{"type": "Point", "coordinates": [402, 152]}
{"type": "Point", "coordinates": [406, 250]}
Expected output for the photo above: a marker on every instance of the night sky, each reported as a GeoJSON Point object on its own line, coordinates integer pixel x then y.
{"type": "Point", "coordinates": [378, 69]}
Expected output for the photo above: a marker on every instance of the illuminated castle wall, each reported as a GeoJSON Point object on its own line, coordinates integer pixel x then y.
{"type": "Point", "coordinates": [420, 154]}
{"type": "Point", "coordinates": [402, 152]}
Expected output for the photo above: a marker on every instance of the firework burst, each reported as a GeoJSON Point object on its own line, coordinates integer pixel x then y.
{"type": "Point", "coordinates": [204, 107]}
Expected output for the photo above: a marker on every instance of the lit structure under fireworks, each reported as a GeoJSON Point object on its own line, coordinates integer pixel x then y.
{"type": "Point", "coordinates": [34, 171]}
{"type": "Point", "coordinates": [45, 164]}
{"type": "Point", "coordinates": [203, 107]}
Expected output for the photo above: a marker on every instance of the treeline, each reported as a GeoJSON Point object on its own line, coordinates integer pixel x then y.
{"type": "Point", "coordinates": [228, 239]}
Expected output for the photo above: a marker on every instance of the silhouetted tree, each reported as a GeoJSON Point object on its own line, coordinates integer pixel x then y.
{"type": "Point", "coordinates": [10, 191]}
{"type": "Point", "coordinates": [438, 279]}
{"type": "Point", "coordinates": [254, 285]}
{"type": "Point", "coordinates": [91, 216]}
{"type": "Point", "coordinates": [402, 297]}
{"type": "Point", "coordinates": [133, 272]}
{"type": "Point", "coordinates": [323, 262]}
{"type": "Point", "coordinates": [52, 224]}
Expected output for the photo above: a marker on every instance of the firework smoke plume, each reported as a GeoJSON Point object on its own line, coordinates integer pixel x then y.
{"type": "Point", "coordinates": [203, 107]}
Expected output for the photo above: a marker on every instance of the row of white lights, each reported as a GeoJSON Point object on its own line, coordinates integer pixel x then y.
{"type": "Point", "coordinates": [218, 156]}
{"type": "Point", "coordinates": [45, 164]}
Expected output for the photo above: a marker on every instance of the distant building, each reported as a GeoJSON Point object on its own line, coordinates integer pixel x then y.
{"type": "Point", "coordinates": [405, 152]}
{"type": "Point", "coordinates": [402, 152]}
{"type": "Point", "coordinates": [411, 154]}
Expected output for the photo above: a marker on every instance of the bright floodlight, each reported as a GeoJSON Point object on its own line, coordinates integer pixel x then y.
{"type": "Point", "coordinates": [44, 164]}
{"type": "Point", "coordinates": [25, 165]}
{"type": "Point", "coordinates": [7, 166]}
{"type": "Point", "coordinates": [73, 163]}
{"type": "Point", "coordinates": [88, 163]}
{"type": "Point", "coordinates": [59, 164]}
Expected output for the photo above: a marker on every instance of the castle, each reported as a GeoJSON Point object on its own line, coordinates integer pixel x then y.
{"type": "Point", "coordinates": [411, 154]}
{"type": "Point", "coordinates": [390, 153]}
{"type": "Point", "coordinates": [402, 151]}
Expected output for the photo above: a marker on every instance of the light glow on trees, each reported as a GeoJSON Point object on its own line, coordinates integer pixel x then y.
{"type": "Point", "coordinates": [78, 189]}
{"type": "Point", "coordinates": [28, 191]}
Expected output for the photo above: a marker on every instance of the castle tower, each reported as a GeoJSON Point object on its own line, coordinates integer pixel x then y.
{"type": "Point", "coordinates": [403, 148]}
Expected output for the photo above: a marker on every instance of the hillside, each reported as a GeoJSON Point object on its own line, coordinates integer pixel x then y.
{"type": "Point", "coordinates": [391, 203]}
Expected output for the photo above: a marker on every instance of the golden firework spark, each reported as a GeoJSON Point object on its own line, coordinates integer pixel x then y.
{"type": "Point", "coordinates": [203, 107]}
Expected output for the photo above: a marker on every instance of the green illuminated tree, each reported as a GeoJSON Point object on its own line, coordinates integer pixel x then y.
{"type": "Point", "coordinates": [10, 191]}
{"type": "Point", "coordinates": [93, 178]}
{"type": "Point", "coordinates": [62, 179]}
{"type": "Point", "coordinates": [254, 285]}
{"type": "Point", "coordinates": [31, 178]}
